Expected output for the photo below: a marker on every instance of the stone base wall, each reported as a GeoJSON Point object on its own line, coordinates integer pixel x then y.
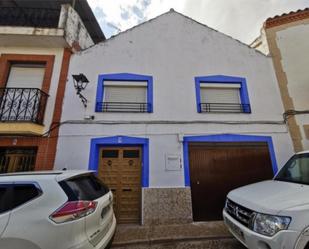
{"type": "Point", "coordinates": [167, 206]}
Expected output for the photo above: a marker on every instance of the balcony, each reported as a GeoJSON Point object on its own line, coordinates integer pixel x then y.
{"type": "Point", "coordinates": [225, 108]}
{"type": "Point", "coordinates": [122, 107]}
{"type": "Point", "coordinates": [22, 105]}
{"type": "Point", "coordinates": [29, 17]}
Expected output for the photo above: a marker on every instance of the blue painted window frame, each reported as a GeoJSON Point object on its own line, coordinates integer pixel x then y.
{"type": "Point", "coordinates": [125, 77]}
{"type": "Point", "coordinates": [225, 138]}
{"type": "Point", "coordinates": [97, 143]}
{"type": "Point", "coordinates": [222, 79]}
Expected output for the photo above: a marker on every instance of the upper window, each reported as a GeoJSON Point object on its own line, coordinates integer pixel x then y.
{"type": "Point", "coordinates": [22, 95]}
{"type": "Point", "coordinates": [25, 75]}
{"type": "Point", "coordinates": [124, 93]}
{"type": "Point", "coordinates": [222, 94]}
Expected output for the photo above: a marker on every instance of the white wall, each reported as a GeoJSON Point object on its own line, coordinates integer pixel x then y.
{"type": "Point", "coordinates": [58, 53]}
{"type": "Point", "coordinates": [294, 48]}
{"type": "Point", "coordinates": [74, 144]}
{"type": "Point", "coordinates": [173, 49]}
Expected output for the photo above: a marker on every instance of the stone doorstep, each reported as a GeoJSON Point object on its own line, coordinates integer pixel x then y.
{"type": "Point", "coordinates": [128, 235]}
{"type": "Point", "coordinates": [171, 240]}
{"type": "Point", "coordinates": [205, 244]}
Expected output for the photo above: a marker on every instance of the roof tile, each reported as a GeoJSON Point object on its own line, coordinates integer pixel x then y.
{"type": "Point", "coordinates": [285, 18]}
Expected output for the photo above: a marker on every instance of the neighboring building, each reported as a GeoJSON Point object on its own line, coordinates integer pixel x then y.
{"type": "Point", "coordinates": [178, 114]}
{"type": "Point", "coordinates": [36, 42]}
{"type": "Point", "coordinates": [286, 39]}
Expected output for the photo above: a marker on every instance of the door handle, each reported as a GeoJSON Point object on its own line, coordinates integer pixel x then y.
{"type": "Point", "coordinates": [198, 182]}
{"type": "Point", "coordinates": [126, 189]}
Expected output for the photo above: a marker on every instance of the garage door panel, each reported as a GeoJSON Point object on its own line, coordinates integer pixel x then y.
{"type": "Point", "coordinates": [217, 168]}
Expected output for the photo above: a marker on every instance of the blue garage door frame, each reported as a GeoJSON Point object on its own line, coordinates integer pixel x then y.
{"type": "Point", "coordinates": [225, 138]}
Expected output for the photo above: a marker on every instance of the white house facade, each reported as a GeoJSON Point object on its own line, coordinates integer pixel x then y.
{"type": "Point", "coordinates": [177, 115]}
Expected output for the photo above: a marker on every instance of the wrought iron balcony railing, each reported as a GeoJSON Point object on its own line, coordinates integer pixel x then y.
{"type": "Point", "coordinates": [29, 17]}
{"type": "Point", "coordinates": [122, 107]}
{"type": "Point", "coordinates": [22, 105]}
{"type": "Point", "coordinates": [225, 108]}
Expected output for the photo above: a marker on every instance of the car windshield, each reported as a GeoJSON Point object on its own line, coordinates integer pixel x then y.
{"type": "Point", "coordinates": [295, 170]}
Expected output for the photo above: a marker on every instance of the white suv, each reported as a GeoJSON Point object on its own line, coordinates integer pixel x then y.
{"type": "Point", "coordinates": [55, 209]}
{"type": "Point", "coordinates": [273, 214]}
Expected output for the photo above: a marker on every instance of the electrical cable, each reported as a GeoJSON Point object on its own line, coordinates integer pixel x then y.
{"type": "Point", "coordinates": [292, 112]}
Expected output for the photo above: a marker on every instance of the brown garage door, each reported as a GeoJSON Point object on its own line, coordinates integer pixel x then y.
{"type": "Point", "coordinates": [120, 169]}
{"type": "Point", "coordinates": [217, 168]}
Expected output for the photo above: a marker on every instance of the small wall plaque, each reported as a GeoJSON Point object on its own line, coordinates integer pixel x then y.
{"type": "Point", "coordinates": [172, 162]}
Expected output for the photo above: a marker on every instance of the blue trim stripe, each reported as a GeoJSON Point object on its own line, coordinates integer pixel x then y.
{"type": "Point", "coordinates": [244, 96]}
{"type": "Point", "coordinates": [97, 143]}
{"type": "Point", "coordinates": [100, 92]}
{"type": "Point", "coordinates": [124, 77]}
{"type": "Point", "coordinates": [198, 94]}
{"type": "Point", "coordinates": [150, 93]}
{"type": "Point", "coordinates": [225, 138]}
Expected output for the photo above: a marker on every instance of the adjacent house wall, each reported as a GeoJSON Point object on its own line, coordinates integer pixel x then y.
{"type": "Point", "coordinates": [294, 46]}
{"type": "Point", "coordinates": [260, 43]}
{"type": "Point", "coordinates": [288, 43]}
{"type": "Point", "coordinates": [76, 33]}
{"type": "Point", "coordinates": [58, 54]}
{"type": "Point", "coordinates": [52, 46]}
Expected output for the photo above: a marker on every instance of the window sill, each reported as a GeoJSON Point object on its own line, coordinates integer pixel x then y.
{"type": "Point", "coordinates": [226, 108]}
{"type": "Point", "coordinates": [123, 107]}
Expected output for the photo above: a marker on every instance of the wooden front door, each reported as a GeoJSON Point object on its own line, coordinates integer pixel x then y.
{"type": "Point", "coordinates": [17, 159]}
{"type": "Point", "coordinates": [120, 169]}
{"type": "Point", "coordinates": [217, 168]}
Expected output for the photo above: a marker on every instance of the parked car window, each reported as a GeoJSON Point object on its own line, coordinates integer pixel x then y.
{"type": "Point", "coordinates": [5, 200]}
{"type": "Point", "coordinates": [86, 187]}
{"type": "Point", "coordinates": [24, 193]}
{"type": "Point", "coordinates": [295, 170]}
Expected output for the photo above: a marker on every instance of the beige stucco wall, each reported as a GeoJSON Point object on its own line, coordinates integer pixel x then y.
{"type": "Point", "coordinates": [289, 49]}
{"type": "Point", "coordinates": [294, 47]}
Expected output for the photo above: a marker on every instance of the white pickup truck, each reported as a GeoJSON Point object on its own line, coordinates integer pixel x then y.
{"type": "Point", "coordinates": [273, 214]}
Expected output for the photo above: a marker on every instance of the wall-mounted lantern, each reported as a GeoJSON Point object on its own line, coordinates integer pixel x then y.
{"type": "Point", "coordinates": [80, 83]}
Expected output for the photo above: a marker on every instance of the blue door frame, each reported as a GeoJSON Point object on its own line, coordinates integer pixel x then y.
{"type": "Point", "coordinates": [225, 138]}
{"type": "Point", "coordinates": [97, 143]}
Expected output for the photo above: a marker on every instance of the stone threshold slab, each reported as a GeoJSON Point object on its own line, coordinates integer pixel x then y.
{"type": "Point", "coordinates": [136, 234]}
{"type": "Point", "coordinates": [171, 240]}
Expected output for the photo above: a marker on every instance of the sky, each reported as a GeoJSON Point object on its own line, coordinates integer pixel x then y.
{"type": "Point", "coordinates": [241, 19]}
